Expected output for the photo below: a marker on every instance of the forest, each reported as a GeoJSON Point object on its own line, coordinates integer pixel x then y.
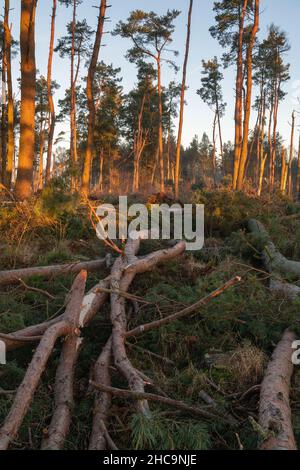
{"type": "Point", "coordinates": [136, 342]}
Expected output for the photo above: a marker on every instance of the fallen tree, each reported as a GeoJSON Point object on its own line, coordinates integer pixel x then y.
{"type": "Point", "coordinates": [274, 407]}
{"type": "Point", "coordinates": [80, 310]}
{"type": "Point", "coordinates": [68, 325]}
{"type": "Point", "coordinates": [13, 276]}
{"type": "Point", "coordinates": [272, 259]}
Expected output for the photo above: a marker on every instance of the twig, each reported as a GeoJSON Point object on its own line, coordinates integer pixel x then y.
{"type": "Point", "coordinates": [36, 289]}
{"type": "Point", "coordinates": [182, 313]}
{"type": "Point", "coordinates": [157, 398]}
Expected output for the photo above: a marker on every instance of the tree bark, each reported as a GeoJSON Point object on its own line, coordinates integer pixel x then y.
{"type": "Point", "coordinates": [10, 104]}
{"type": "Point", "coordinates": [244, 150]}
{"type": "Point", "coordinates": [239, 96]}
{"type": "Point", "coordinates": [274, 406]}
{"type": "Point", "coordinates": [23, 187]}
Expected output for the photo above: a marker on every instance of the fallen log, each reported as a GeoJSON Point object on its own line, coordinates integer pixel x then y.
{"type": "Point", "coordinates": [101, 374]}
{"type": "Point", "coordinates": [14, 276]}
{"type": "Point", "coordinates": [123, 272]}
{"type": "Point", "coordinates": [68, 325]}
{"type": "Point", "coordinates": [272, 259]}
{"type": "Point", "coordinates": [289, 291]}
{"type": "Point", "coordinates": [274, 406]}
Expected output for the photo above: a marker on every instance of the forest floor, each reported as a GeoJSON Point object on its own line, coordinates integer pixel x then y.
{"type": "Point", "coordinates": [222, 349]}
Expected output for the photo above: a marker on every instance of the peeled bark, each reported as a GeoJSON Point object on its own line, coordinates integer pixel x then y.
{"type": "Point", "coordinates": [67, 326]}
{"type": "Point", "coordinates": [28, 90]}
{"type": "Point", "coordinates": [91, 304]}
{"type": "Point", "coordinates": [274, 406]}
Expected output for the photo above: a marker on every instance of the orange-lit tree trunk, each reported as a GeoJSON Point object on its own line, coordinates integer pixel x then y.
{"type": "Point", "coordinates": [244, 151]}
{"type": "Point", "coordinates": [28, 89]}
{"type": "Point", "coordinates": [160, 127]}
{"type": "Point", "coordinates": [290, 180]}
{"type": "Point", "coordinates": [86, 176]}
{"type": "Point", "coordinates": [73, 129]}
{"type": "Point", "coordinates": [182, 102]}
{"type": "Point", "coordinates": [284, 168]}
{"type": "Point", "coordinates": [50, 98]}
{"type": "Point", "coordinates": [239, 96]}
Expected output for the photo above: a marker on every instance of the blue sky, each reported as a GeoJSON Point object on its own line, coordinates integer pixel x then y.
{"type": "Point", "coordinates": [198, 117]}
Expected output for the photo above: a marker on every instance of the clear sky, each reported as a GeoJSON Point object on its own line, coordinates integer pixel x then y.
{"type": "Point", "coordinates": [198, 117]}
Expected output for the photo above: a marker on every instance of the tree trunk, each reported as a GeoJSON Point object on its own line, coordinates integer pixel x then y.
{"type": "Point", "coordinates": [284, 169]}
{"type": "Point", "coordinates": [239, 96]}
{"type": "Point", "coordinates": [50, 98]}
{"type": "Point", "coordinates": [290, 179]}
{"type": "Point", "coordinates": [101, 170]}
{"type": "Point", "coordinates": [10, 105]}
{"type": "Point", "coordinates": [73, 130]}
{"type": "Point", "coordinates": [263, 156]}
{"type": "Point", "coordinates": [86, 176]}
{"type": "Point", "coordinates": [182, 103]}
{"type": "Point", "coordinates": [4, 105]}
{"type": "Point", "coordinates": [244, 151]}
{"type": "Point", "coordinates": [139, 145]}
{"type": "Point", "coordinates": [160, 128]}
{"type": "Point", "coordinates": [274, 407]}
{"type": "Point", "coordinates": [28, 89]}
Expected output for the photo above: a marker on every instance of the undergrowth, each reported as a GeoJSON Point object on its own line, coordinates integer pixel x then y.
{"type": "Point", "coordinates": [222, 349]}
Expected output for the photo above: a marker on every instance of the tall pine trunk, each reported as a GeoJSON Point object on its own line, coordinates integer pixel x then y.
{"type": "Point", "coordinates": [290, 179]}
{"type": "Point", "coordinates": [239, 96]}
{"type": "Point", "coordinates": [244, 151]}
{"type": "Point", "coordinates": [50, 98]}
{"type": "Point", "coordinates": [28, 90]}
{"type": "Point", "coordinates": [182, 102]}
{"type": "Point", "coordinates": [160, 128]}
{"type": "Point", "coordinates": [4, 103]}
{"type": "Point", "coordinates": [86, 176]}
